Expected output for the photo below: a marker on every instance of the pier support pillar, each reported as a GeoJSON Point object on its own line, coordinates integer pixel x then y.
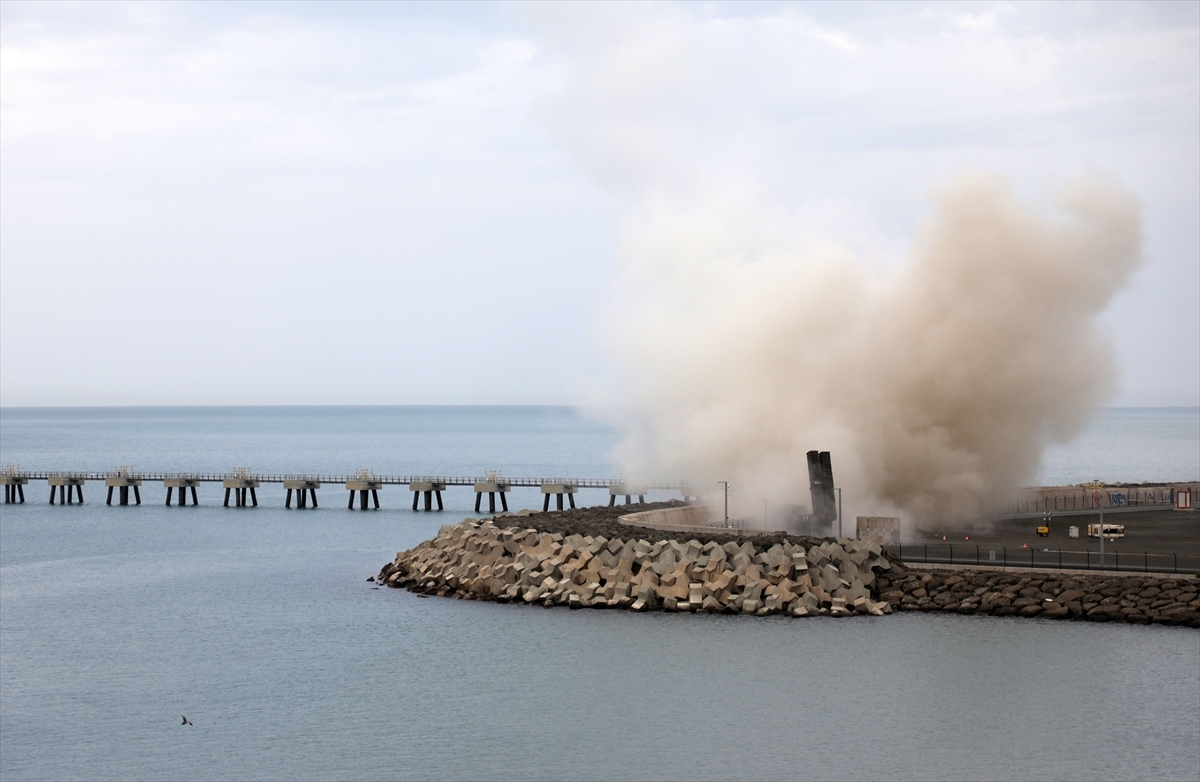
{"type": "Point", "coordinates": [627, 489]}
{"type": "Point", "coordinates": [363, 487]}
{"type": "Point", "coordinates": [183, 484]}
{"type": "Point", "coordinates": [429, 489]}
{"type": "Point", "coordinates": [492, 488]}
{"type": "Point", "coordinates": [239, 487]}
{"type": "Point", "coordinates": [305, 489]}
{"type": "Point", "coordinates": [14, 488]}
{"type": "Point", "coordinates": [69, 488]}
{"type": "Point", "coordinates": [123, 484]}
{"type": "Point", "coordinates": [559, 489]}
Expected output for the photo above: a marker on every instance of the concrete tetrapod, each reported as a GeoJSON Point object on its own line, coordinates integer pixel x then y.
{"type": "Point", "coordinates": [482, 560]}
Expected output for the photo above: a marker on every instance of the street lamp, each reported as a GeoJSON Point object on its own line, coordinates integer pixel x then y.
{"type": "Point", "coordinates": [726, 485]}
{"type": "Point", "coordinates": [1099, 503]}
{"type": "Point", "coordinates": [839, 491]}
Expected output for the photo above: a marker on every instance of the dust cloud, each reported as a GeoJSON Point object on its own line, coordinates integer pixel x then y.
{"type": "Point", "coordinates": [935, 386]}
{"type": "Point", "coordinates": [744, 335]}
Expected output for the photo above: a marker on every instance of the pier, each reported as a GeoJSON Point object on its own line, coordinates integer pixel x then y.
{"type": "Point", "coordinates": [241, 487]}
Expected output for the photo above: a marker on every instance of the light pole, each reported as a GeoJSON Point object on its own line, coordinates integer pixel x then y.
{"type": "Point", "coordinates": [839, 491]}
{"type": "Point", "coordinates": [1098, 497]}
{"type": "Point", "coordinates": [726, 485]}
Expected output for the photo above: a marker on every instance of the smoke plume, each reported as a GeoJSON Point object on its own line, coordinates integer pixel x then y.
{"type": "Point", "coordinates": [936, 387]}
{"type": "Point", "coordinates": [746, 338]}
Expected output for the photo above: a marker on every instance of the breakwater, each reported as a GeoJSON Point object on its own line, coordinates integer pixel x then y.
{"type": "Point", "coordinates": [489, 561]}
{"type": "Point", "coordinates": [588, 559]}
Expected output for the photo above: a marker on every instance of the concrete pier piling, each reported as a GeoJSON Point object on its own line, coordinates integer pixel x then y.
{"type": "Point", "coordinates": [627, 489]}
{"type": "Point", "coordinates": [304, 489]}
{"type": "Point", "coordinates": [183, 484]}
{"type": "Point", "coordinates": [239, 487]}
{"type": "Point", "coordinates": [14, 488]}
{"type": "Point", "coordinates": [558, 489]}
{"type": "Point", "coordinates": [363, 487]}
{"type": "Point", "coordinates": [70, 487]}
{"type": "Point", "coordinates": [123, 484]}
{"type": "Point", "coordinates": [429, 489]}
{"type": "Point", "coordinates": [491, 488]}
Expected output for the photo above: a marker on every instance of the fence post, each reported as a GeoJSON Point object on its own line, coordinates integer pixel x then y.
{"type": "Point", "coordinates": [1005, 550]}
{"type": "Point", "coordinates": [1116, 558]}
{"type": "Point", "coordinates": [1031, 557]}
{"type": "Point", "coordinates": [926, 553]}
{"type": "Point", "coordinates": [951, 553]}
{"type": "Point", "coordinates": [977, 556]}
{"type": "Point", "coordinates": [1176, 555]}
{"type": "Point", "coordinates": [901, 552]}
{"type": "Point", "coordinates": [1145, 562]}
{"type": "Point", "coordinates": [1060, 559]}
{"type": "Point", "coordinates": [1089, 559]}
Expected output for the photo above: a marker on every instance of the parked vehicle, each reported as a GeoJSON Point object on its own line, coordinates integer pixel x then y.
{"type": "Point", "coordinates": [1110, 530]}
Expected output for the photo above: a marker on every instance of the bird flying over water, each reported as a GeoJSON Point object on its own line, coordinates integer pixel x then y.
{"type": "Point", "coordinates": [186, 721]}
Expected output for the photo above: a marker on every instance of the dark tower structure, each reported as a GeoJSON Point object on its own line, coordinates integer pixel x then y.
{"type": "Point", "coordinates": [820, 483]}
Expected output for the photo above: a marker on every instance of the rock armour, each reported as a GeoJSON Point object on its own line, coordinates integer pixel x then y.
{"type": "Point", "coordinates": [479, 560]}
{"type": "Point", "coordinates": [1138, 600]}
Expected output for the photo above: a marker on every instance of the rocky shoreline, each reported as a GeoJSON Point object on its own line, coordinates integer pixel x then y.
{"type": "Point", "coordinates": [585, 558]}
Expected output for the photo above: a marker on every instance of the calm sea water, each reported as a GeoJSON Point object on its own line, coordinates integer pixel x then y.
{"type": "Point", "coordinates": [1129, 445]}
{"type": "Point", "coordinates": [258, 624]}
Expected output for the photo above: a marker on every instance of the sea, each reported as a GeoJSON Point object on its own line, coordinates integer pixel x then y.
{"type": "Point", "coordinates": [260, 626]}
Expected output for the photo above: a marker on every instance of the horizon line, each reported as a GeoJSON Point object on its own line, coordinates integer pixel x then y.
{"type": "Point", "coordinates": [427, 405]}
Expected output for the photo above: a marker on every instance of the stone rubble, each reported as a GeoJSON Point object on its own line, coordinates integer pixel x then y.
{"type": "Point", "coordinates": [479, 560]}
{"type": "Point", "coordinates": [1135, 598]}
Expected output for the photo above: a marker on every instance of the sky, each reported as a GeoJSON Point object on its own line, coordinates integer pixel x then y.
{"type": "Point", "coordinates": [370, 203]}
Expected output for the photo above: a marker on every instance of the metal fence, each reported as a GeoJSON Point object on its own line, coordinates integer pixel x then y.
{"type": "Point", "coordinates": [1086, 502]}
{"type": "Point", "coordinates": [1034, 558]}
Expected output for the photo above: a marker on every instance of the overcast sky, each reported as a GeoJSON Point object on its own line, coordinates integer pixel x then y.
{"type": "Point", "coordinates": [379, 203]}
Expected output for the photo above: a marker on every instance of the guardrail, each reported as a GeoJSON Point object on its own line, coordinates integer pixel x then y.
{"type": "Point", "coordinates": [1046, 559]}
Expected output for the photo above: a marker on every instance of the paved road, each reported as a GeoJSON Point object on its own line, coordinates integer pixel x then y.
{"type": "Point", "coordinates": [1159, 539]}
